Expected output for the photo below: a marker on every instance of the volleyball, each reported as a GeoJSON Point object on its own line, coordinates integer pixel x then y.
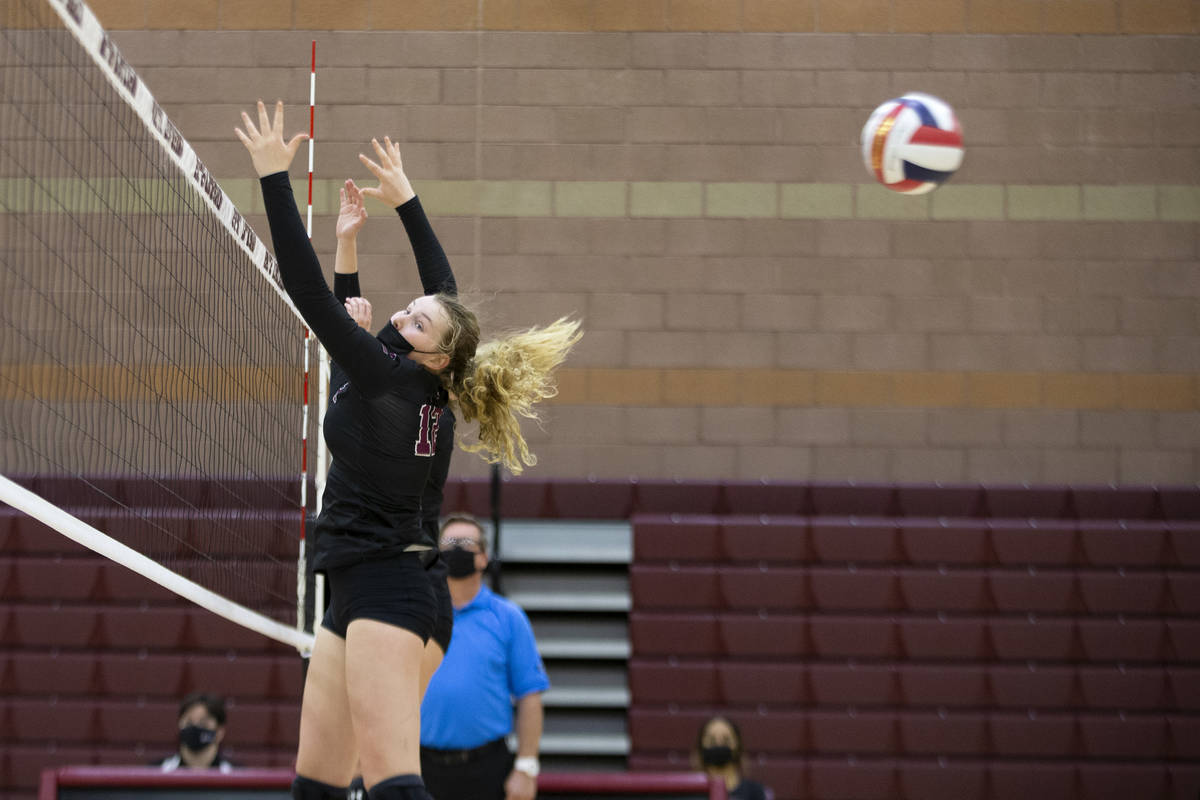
{"type": "Point", "coordinates": [911, 144]}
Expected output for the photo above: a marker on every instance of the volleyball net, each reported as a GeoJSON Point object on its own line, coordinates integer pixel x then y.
{"type": "Point", "coordinates": [152, 371]}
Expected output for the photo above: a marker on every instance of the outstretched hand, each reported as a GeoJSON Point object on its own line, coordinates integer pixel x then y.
{"type": "Point", "coordinates": [394, 188]}
{"type": "Point", "coordinates": [352, 213]}
{"type": "Point", "coordinates": [359, 309]}
{"type": "Point", "coordinates": [268, 151]}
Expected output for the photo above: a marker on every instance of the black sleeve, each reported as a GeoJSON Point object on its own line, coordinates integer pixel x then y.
{"type": "Point", "coordinates": [365, 360]}
{"type": "Point", "coordinates": [432, 264]}
{"type": "Point", "coordinates": [345, 286]}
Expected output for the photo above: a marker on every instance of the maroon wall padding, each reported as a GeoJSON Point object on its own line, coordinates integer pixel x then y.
{"type": "Point", "coordinates": [873, 640]}
{"type": "Point", "coordinates": [928, 641]}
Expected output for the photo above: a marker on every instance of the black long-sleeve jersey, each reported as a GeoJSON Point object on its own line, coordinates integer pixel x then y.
{"type": "Point", "coordinates": [436, 276]}
{"type": "Point", "coordinates": [383, 424]}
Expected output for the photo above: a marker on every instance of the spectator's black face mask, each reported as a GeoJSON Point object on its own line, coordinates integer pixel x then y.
{"type": "Point", "coordinates": [460, 563]}
{"type": "Point", "coordinates": [196, 738]}
{"type": "Point", "coordinates": [717, 756]}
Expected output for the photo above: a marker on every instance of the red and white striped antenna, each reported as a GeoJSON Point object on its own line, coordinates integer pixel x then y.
{"type": "Point", "coordinates": [302, 559]}
{"type": "Point", "coordinates": [312, 116]}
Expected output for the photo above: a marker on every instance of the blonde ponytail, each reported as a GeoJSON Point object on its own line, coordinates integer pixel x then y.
{"type": "Point", "coordinates": [507, 377]}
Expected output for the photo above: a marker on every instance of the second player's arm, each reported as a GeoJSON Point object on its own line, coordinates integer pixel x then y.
{"type": "Point", "coordinates": [366, 362]}
{"type": "Point", "coordinates": [351, 217]}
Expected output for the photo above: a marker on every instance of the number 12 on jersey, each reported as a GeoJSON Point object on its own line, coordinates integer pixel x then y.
{"type": "Point", "coordinates": [427, 431]}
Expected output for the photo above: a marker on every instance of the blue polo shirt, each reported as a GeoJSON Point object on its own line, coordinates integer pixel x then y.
{"type": "Point", "coordinates": [492, 661]}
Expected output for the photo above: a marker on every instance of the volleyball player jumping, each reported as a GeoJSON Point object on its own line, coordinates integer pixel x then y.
{"type": "Point", "coordinates": [436, 276]}
{"type": "Point", "coordinates": [431, 260]}
{"type": "Point", "coordinates": [361, 701]}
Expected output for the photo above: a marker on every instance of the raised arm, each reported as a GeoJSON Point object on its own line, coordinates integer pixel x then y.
{"type": "Point", "coordinates": [396, 190]}
{"type": "Point", "coordinates": [367, 363]}
{"type": "Point", "coordinates": [351, 216]}
{"type": "Point", "coordinates": [432, 264]}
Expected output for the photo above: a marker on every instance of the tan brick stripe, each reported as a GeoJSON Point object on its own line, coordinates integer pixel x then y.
{"type": "Point", "coordinates": [883, 389]}
{"type": "Point", "coordinates": [82, 383]}
{"type": "Point", "coordinates": [664, 388]}
{"type": "Point", "coordinates": [665, 199]}
{"type": "Point", "coordinates": [725, 200]}
{"type": "Point", "coordinates": [757, 16]}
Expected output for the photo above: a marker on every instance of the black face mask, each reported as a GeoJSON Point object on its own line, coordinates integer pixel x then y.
{"type": "Point", "coordinates": [196, 738]}
{"type": "Point", "coordinates": [393, 340]}
{"type": "Point", "coordinates": [460, 563]}
{"type": "Point", "coordinates": [717, 756]}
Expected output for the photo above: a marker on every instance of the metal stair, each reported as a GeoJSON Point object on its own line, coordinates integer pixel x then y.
{"type": "Point", "coordinates": [572, 579]}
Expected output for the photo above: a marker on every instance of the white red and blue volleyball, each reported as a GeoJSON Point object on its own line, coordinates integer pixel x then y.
{"type": "Point", "coordinates": [913, 143]}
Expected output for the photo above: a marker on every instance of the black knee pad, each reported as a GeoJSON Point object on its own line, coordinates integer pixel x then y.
{"type": "Point", "coordinates": [306, 789]}
{"type": "Point", "coordinates": [399, 787]}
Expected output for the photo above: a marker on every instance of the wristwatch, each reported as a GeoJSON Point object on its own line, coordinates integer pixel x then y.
{"type": "Point", "coordinates": [529, 765]}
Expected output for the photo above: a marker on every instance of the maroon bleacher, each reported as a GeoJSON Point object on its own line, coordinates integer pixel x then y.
{"type": "Point", "coordinates": [926, 641]}
{"type": "Point", "coordinates": [872, 640]}
{"type": "Point", "coordinates": [95, 658]}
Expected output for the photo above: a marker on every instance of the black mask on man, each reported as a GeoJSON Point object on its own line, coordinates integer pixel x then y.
{"type": "Point", "coordinates": [460, 563]}
{"type": "Point", "coordinates": [717, 756]}
{"type": "Point", "coordinates": [196, 738]}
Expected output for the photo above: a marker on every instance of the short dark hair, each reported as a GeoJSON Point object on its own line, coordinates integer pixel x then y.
{"type": "Point", "coordinates": [214, 704]}
{"type": "Point", "coordinates": [464, 517]}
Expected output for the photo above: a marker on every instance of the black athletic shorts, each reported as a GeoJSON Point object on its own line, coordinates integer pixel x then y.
{"type": "Point", "coordinates": [394, 590]}
{"type": "Point", "coordinates": [444, 624]}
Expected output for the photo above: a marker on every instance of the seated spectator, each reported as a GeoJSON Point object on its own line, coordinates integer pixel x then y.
{"type": "Point", "coordinates": [201, 731]}
{"type": "Point", "coordinates": [719, 753]}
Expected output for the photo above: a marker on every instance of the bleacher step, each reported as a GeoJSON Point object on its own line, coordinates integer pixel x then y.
{"type": "Point", "coordinates": [566, 542]}
{"type": "Point", "coordinates": [592, 744]}
{"type": "Point", "coordinates": [587, 697]}
{"type": "Point", "coordinates": [581, 636]}
{"type": "Point", "coordinates": [537, 588]}
{"type": "Point", "coordinates": [574, 601]}
{"type": "Point", "coordinates": [574, 648]}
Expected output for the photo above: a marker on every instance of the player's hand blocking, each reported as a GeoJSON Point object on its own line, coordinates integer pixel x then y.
{"type": "Point", "coordinates": [359, 310]}
{"type": "Point", "coordinates": [352, 213]}
{"type": "Point", "coordinates": [268, 151]}
{"type": "Point", "coordinates": [394, 188]}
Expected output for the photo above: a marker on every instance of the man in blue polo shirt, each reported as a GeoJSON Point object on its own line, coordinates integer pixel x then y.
{"type": "Point", "coordinates": [492, 662]}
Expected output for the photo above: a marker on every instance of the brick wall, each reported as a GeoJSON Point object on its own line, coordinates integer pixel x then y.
{"type": "Point", "coordinates": [684, 176]}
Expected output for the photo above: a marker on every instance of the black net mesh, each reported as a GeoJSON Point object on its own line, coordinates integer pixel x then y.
{"type": "Point", "coordinates": [151, 378]}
